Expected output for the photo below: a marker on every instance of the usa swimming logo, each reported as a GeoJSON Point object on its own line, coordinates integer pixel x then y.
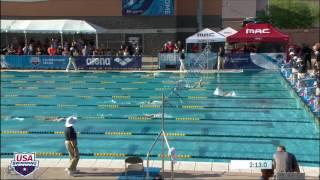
{"type": "Point", "coordinates": [24, 163]}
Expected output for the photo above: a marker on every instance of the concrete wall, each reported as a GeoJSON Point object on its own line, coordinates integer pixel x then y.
{"type": "Point", "coordinates": [299, 36]}
{"type": "Point", "coordinates": [96, 8]}
{"type": "Point", "coordinates": [238, 8]}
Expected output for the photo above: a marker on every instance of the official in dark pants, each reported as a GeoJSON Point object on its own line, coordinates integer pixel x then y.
{"type": "Point", "coordinates": [71, 145]}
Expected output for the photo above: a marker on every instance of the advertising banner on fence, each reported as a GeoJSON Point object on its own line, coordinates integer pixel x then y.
{"type": "Point", "coordinates": [109, 62]}
{"type": "Point", "coordinates": [34, 62]}
{"type": "Point", "coordinates": [60, 62]}
{"type": "Point", "coordinates": [148, 7]}
{"type": "Point", "coordinates": [172, 59]}
{"type": "Point", "coordinates": [254, 60]}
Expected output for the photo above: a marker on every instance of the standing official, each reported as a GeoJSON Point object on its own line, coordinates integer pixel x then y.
{"type": "Point", "coordinates": [71, 145]}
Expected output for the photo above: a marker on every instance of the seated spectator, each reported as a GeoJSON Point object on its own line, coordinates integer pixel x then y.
{"type": "Point", "coordinates": [59, 50]}
{"type": "Point", "coordinates": [170, 47]}
{"type": "Point", "coordinates": [137, 51]}
{"type": "Point", "coordinates": [301, 67]}
{"type": "Point", "coordinates": [52, 51]}
{"type": "Point", "coordinates": [95, 52]}
{"type": "Point", "coordinates": [108, 52]}
{"type": "Point", "coordinates": [30, 49]}
{"type": "Point", "coordinates": [25, 50]}
{"type": "Point", "coordinates": [19, 51]}
{"type": "Point", "coordinates": [180, 46]}
{"type": "Point", "coordinates": [164, 48]}
{"type": "Point", "coordinates": [284, 161]}
{"type": "Point", "coordinates": [195, 48]}
{"type": "Point", "coordinates": [65, 52]}
{"type": "Point", "coordinates": [126, 52]}
{"type": "Point", "coordinates": [176, 48]}
{"type": "Point", "coordinates": [38, 51]}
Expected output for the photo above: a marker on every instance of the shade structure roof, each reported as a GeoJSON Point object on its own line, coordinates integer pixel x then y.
{"type": "Point", "coordinates": [206, 35]}
{"type": "Point", "coordinates": [65, 26]}
{"type": "Point", "coordinates": [227, 31]}
{"type": "Point", "coordinates": [258, 33]}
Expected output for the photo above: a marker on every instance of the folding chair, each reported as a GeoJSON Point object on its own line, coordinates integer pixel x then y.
{"type": "Point", "coordinates": [134, 166]}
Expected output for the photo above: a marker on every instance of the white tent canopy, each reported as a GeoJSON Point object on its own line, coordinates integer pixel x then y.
{"type": "Point", "coordinates": [206, 36]}
{"type": "Point", "coordinates": [62, 26]}
{"type": "Point", "coordinates": [227, 31]}
{"type": "Point", "coordinates": [5, 24]}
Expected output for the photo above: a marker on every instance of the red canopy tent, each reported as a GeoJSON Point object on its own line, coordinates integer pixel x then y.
{"type": "Point", "coordinates": [258, 33]}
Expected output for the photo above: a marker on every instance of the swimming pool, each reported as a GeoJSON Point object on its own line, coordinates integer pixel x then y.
{"type": "Point", "coordinates": [114, 108]}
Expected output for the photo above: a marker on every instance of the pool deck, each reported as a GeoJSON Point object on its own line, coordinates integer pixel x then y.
{"type": "Point", "coordinates": [125, 71]}
{"type": "Point", "coordinates": [114, 168]}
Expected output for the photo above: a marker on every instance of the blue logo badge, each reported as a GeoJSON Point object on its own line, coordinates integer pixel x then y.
{"type": "Point", "coordinates": [24, 163]}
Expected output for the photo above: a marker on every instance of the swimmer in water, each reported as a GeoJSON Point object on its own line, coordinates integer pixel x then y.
{"type": "Point", "coordinates": [55, 119]}
{"type": "Point", "coordinates": [59, 119]}
{"type": "Point", "coordinates": [219, 92]}
{"type": "Point", "coordinates": [154, 102]}
{"type": "Point", "coordinates": [14, 118]}
{"type": "Point", "coordinates": [149, 115]}
{"type": "Point", "coordinates": [157, 115]}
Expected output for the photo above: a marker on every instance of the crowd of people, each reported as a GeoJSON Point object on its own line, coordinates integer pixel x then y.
{"type": "Point", "coordinates": [307, 84]}
{"type": "Point", "coordinates": [54, 46]}
{"type": "Point", "coordinates": [170, 47]}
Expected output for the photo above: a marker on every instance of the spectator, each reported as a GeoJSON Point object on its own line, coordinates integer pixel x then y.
{"type": "Point", "coordinates": [164, 48]}
{"type": "Point", "coordinates": [284, 161]}
{"type": "Point", "coordinates": [95, 52]}
{"type": "Point", "coordinates": [65, 52]}
{"type": "Point", "coordinates": [182, 57]}
{"type": "Point", "coordinates": [30, 49]}
{"type": "Point", "coordinates": [301, 67]}
{"type": "Point", "coordinates": [85, 50]}
{"type": "Point", "coordinates": [316, 50]}
{"type": "Point", "coordinates": [180, 46]}
{"type": "Point", "coordinates": [170, 47]}
{"type": "Point", "coordinates": [137, 51]}
{"type": "Point", "coordinates": [195, 48]}
{"type": "Point", "coordinates": [38, 51]}
{"type": "Point", "coordinates": [25, 50]}
{"type": "Point", "coordinates": [306, 54]}
{"type": "Point", "coordinates": [11, 50]}
{"type": "Point", "coordinates": [120, 51]}
{"type": "Point", "coordinates": [59, 50]}
{"type": "Point", "coordinates": [108, 52]}
{"type": "Point", "coordinates": [176, 48]}
{"type": "Point", "coordinates": [52, 50]}
{"type": "Point", "coordinates": [126, 52]}
{"type": "Point", "coordinates": [221, 55]}
{"type": "Point", "coordinates": [72, 58]}
{"type": "Point", "coordinates": [54, 43]}
{"type": "Point", "coordinates": [19, 51]}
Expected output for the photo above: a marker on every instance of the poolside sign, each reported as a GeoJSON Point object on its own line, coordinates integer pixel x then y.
{"type": "Point", "coordinates": [24, 163]}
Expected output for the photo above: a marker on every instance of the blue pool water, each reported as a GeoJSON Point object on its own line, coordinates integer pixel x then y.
{"type": "Point", "coordinates": [113, 114]}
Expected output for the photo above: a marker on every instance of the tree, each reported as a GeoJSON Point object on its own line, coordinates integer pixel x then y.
{"type": "Point", "coordinates": [288, 14]}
